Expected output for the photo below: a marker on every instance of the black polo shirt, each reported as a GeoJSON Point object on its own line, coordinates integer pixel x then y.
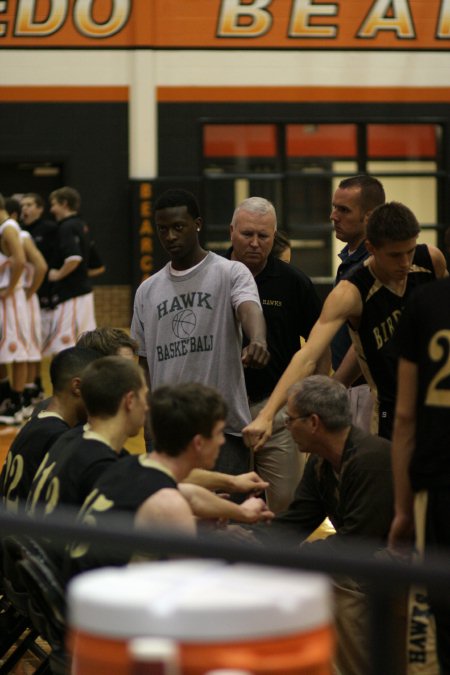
{"type": "Point", "coordinates": [291, 307]}
{"type": "Point", "coordinates": [72, 240]}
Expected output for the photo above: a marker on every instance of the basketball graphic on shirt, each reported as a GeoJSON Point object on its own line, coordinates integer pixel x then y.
{"type": "Point", "coordinates": [183, 323]}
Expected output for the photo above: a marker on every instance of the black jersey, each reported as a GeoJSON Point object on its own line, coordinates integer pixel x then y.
{"type": "Point", "coordinates": [25, 455]}
{"type": "Point", "coordinates": [44, 233]}
{"type": "Point", "coordinates": [424, 339]}
{"type": "Point", "coordinates": [122, 488]}
{"type": "Point", "coordinates": [69, 470]}
{"type": "Point", "coordinates": [373, 339]}
{"type": "Point", "coordinates": [72, 240]}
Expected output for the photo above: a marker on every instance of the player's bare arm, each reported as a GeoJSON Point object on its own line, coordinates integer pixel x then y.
{"type": "Point", "coordinates": [255, 355]}
{"type": "Point", "coordinates": [343, 303]}
{"type": "Point", "coordinates": [215, 480]}
{"type": "Point", "coordinates": [207, 505]}
{"type": "Point", "coordinates": [349, 369]}
{"type": "Point", "coordinates": [167, 508]}
{"type": "Point", "coordinates": [69, 266]}
{"type": "Point", "coordinates": [403, 442]}
{"type": "Point", "coordinates": [439, 262]}
{"type": "Point", "coordinates": [12, 247]}
{"type": "Point", "coordinates": [37, 260]}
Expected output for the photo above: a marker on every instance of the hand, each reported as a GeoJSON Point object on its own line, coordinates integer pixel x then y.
{"type": "Point", "coordinates": [254, 510]}
{"type": "Point", "coordinates": [249, 482]}
{"type": "Point", "coordinates": [257, 432]}
{"type": "Point", "coordinates": [401, 535]}
{"type": "Point", "coordinates": [53, 275]}
{"type": "Point", "coordinates": [5, 293]}
{"type": "Point", "coordinates": [255, 355]}
{"type": "Point", "coordinates": [28, 293]}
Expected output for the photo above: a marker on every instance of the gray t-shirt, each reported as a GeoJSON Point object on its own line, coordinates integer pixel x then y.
{"type": "Point", "coordinates": [186, 328]}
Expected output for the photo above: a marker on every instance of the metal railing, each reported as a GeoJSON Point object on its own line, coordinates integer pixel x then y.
{"type": "Point", "coordinates": [386, 578]}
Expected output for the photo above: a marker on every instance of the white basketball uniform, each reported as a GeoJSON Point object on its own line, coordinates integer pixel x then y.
{"type": "Point", "coordinates": [14, 320]}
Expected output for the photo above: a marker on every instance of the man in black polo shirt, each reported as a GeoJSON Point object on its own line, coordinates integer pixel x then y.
{"type": "Point", "coordinates": [70, 290]}
{"type": "Point", "coordinates": [291, 307]}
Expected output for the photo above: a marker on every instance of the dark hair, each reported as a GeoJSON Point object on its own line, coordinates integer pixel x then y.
{"type": "Point", "coordinates": [106, 381]}
{"type": "Point", "coordinates": [372, 190]}
{"type": "Point", "coordinates": [178, 197]}
{"type": "Point", "coordinates": [69, 195]}
{"type": "Point", "coordinates": [391, 222]}
{"type": "Point", "coordinates": [70, 363]}
{"type": "Point", "coordinates": [179, 412]}
{"type": "Point", "coordinates": [107, 341]}
{"type": "Point", "coordinates": [2, 201]}
{"type": "Point", "coordinates": [37, 198]}
{"type": "Point", "coordinates": [12, 205]}
{"type": "Point", "coordinates": [281, 242]}
{"type": "Point", "coordinates": [323, 396]}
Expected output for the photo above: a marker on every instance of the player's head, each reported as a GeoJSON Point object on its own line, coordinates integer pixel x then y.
{"type": "Point", "coordinates": [12, 207]}
{"type": "Point", "coordinates": [112, 382]}
{"type": "Point", "coordinates": [68, 365]}
{"type": "Point", "coordinates": [32, 208]}
{"type": "Point", "coordinates": [63, 201]}
{"type": "Point", "coordinates": [391, 222]}
{"type": "Point", "coordinates": [178, 222]}
{"type": "Point", "coordinates": [109, 342]}
{"type": "Point", "coordinates": [2, 202]}
{"type": "Point", "coordinates": [180, 413]}
{"type": "Point", "coordinates": [252, 232]}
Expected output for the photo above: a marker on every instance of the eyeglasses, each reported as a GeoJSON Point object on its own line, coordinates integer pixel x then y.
{"type": "Point", "coordinates": [288, 419]}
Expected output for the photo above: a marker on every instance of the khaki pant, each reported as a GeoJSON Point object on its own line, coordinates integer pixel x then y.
{"type": "Point", "coordinates": [279, 463]}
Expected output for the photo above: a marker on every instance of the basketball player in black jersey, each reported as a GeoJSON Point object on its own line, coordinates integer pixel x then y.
{"type": "Point", "coordinates": [370, 301]}
{"type": "Point", "coordinates": [65, 410]}
{"type": "Point", "coordinates": [420, 447]}
{"type": "Point", "coordinates": [187, 423]}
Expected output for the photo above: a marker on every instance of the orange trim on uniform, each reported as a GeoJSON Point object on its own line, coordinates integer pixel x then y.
{"type": "Point", "coordinates": [60, 94]}
{"type": "Point", "coordinates": [304, 94]}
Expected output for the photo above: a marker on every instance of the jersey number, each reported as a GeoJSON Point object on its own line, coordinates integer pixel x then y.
{"type": "Point", "coordinates": [439, 350]}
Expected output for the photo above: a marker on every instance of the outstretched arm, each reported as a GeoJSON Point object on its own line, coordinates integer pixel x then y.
{"type": "Point", "coordinates": [255, 354]}
{"type": "Point", "coordinates": [206, 504]}
{"type": "Point", "coordinates": [344, 302]}
{"type": "Point", "coordinates": [214, 480]}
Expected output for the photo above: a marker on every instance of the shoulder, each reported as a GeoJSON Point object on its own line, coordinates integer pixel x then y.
{"type": "Point", "coordinates": [153, 280]}
{"type": "Point", "coordinates": [168, 508]}
{"type": "Point", "coordinates": [9, 226]}
{"type": "Point", "coordinates": [438, 261]}
{"type": "Point", "coordinates": [368, 451]}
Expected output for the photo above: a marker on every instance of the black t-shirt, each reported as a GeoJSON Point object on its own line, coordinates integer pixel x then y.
{"type": "Point", "coordinates": [291, 307]}
{"type": "Point", "coordinates": [44, 234]}
{"type": "Point", "coordinates": [122, 489]}
{"type": "Point", "coordinates": [25, 455]}
{"type": "Point", "coordinates": [424, 339]}
{"type": "Point", "coordinates": [72, 240]}
{"type": "Point", "coordinates": [69, 471]}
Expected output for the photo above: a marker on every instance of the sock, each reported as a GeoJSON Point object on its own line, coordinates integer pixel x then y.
{"type": "Point", "coordinates": [16, 398]}
{"type": "Point", "coordinates": [5, 389]}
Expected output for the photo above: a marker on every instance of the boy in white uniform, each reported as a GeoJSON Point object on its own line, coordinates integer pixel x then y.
{"type": "Point", "coordinates": [14, 323]}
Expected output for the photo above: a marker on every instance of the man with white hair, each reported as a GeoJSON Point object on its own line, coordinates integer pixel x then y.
{"type": "Point", "coordinates": [291, 307]}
